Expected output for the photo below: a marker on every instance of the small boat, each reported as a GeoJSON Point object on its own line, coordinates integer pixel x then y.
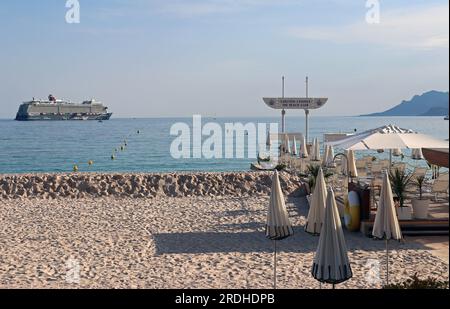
{"type": "Point", "coordinates": [262, 167]}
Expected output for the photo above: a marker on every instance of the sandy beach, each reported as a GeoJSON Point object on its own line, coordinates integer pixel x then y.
{"type": "Point", "coordinates": [179, 242]}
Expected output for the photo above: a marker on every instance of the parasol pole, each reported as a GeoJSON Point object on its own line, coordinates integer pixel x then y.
{"type": "Point", "coordinates": [387, 262]}
{"type": "Point", "coordinates": [274, 264]}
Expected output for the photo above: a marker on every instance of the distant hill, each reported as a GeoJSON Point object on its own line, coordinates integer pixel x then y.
{"type": "Point", "coordinates": [436, 111]}
{"type": "Point", "coordinates": [432, 103]}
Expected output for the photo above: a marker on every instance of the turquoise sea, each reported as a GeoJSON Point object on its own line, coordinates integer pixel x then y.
{"type": "Point", "coordinates": [57, 146]}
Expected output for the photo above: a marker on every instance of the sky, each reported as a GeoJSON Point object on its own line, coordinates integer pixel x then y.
{"type": "Point", "coordinates": [176, 58]}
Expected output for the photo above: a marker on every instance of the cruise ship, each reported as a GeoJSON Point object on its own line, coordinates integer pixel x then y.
{"type": "Point", "coordinates": [53, 109]}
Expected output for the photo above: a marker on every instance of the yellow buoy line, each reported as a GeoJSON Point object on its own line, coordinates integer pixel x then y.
{"type": "Point", "coordinates": [121, 148]}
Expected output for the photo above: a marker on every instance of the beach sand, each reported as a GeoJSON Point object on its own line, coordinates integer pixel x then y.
{"type": "Point", "coordinates": [188, 242]}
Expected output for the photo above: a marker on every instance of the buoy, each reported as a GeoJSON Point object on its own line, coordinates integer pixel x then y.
{"type": "Point", "coordinates": [352, 217]}
{"type": "Point", "coordinates": [90, 162]}
{"type": "Point", "coordinates": [138, 132]}
{"type": "Point", "coordinates": [75, 168]}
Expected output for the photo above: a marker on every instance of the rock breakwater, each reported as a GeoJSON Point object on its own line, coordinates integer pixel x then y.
{"type": "Point", "coordinates": [82, 185]}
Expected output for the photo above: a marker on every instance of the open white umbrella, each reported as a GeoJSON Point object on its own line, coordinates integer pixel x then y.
{"type": "Point", "coordinates": [294, 147]}
{"type": "Point", "coordinates": [352, 170]}
{"type": "Point", "coordinates": [304, 148]}
{"type": "Point", "coordinates": [386, 224]}
{"type": "Point", "coordinates": [317, 207]}
{"type": "Point", "coordinates": [278, 226]}
{"type": "Point", "coordinates": [389, 137]}
{"type": "Point", "coordinates": [331, 264]}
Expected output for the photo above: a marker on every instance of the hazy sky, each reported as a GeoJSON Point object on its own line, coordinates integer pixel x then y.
{"type": "Point", "coordinates": [150, 58]}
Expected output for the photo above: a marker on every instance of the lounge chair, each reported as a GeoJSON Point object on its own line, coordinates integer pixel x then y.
{"type": "Point", "coordinates": [420, 171]}
{"type": "Point", "coordinates": [385, 164]}
{"type": "Point", "coordinates": [376, 168]}
{"type": "Point", "coordinates": [440, 185]}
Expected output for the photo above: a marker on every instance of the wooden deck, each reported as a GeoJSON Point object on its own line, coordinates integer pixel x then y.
{"type": "Point", "coordinates": [414, 227]}
{"type": "Point", "coordinates": [436, 224]}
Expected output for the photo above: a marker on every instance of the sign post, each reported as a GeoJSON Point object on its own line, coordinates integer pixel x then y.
{"type": "Point", "coordinates": [306, 104]}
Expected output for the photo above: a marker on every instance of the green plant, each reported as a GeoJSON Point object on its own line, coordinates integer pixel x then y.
{"type": "Point", "coordinates": [416, 283]}
{"type": "Point", "coordinates": [313, 172]}
{"type": "Point", "coordinates": [419, 181]}
{"type": "Point", "coordinates": [399, 181]}
{"type": "Point", "coordinates": [311, 183]}
{"type": "Point", "coordinates": [280, 167]}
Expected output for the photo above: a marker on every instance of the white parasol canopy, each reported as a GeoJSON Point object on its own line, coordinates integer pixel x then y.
{"type": "Point", "coordinates": [352, 170]}
{"type": "Point", "coordinates": [344, 168]}
{"type": "Point", "coordinates": [303, 148]}
{"type": "Point", "coordinates": [417, 154]}
{"type": "Point", "coordinates": [278, 226]}
{"type": "Point", "coordinates": [397, 152]}
{"type": "Point", "coordinates": [294, 146]}
{"type": "Point", "coordinates": [331, 263]}
{"type": "Point", "coordinates": [316, 150]}
{"type": "Point", "coordinates": [389, 137]}
{"type": "Point", "coordinates": [325, 156]}
{"type": "Point", "coordinates": [328, 160]}
{"type": "Point", "coordinates": [386, 223]}
{"type": "Point", "coordinates": [317, 207]}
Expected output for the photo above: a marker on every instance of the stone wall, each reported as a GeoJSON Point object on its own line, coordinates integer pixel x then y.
{"type": "Point", "coordinates": [82, 185]}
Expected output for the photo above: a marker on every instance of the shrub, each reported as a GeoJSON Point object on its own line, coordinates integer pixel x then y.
{"type": "Point", "coordinates": [416, 283]}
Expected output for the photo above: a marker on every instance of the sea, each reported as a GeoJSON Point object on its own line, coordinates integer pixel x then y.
{"type": "Point", "coordinates": [54, 146]}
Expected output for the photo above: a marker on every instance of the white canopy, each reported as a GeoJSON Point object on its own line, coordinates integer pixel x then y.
{"type": "Point", "coordinates": [317, 207]}
{"type": "Point", "coordinates": [389, 137]}
{"type": "Point", "coordinates": [294, 146]}
{"type": "Point", "coordinates": [316, 150]}
{"type": "Point", "coordinates": [353, 172]}
{"type": "Point", "coordinates": [417, 154]}
{"type": "Point", "coordinates": [386, 222]}
{"type": "Point", "coordinates": [303, 148]}
{"type": "Point", "coordinates": [278, 225]}
{"type": "Point", "coordinates": [331, 263]}
{"type": "Point", "coordinates": [328, 160]}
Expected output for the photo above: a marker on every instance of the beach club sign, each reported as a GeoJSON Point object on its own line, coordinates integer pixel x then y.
{"type": "Point", "coordinates": [295, 103]}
